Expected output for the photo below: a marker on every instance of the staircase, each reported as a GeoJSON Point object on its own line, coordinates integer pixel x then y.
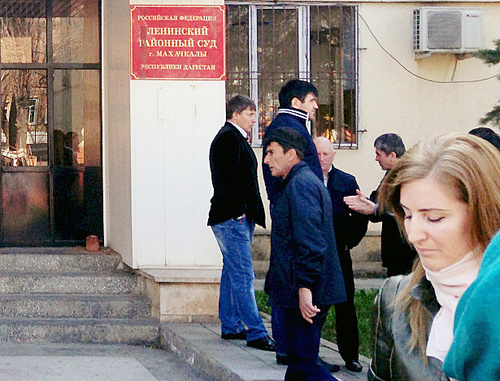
{"type": "Point", "coordinates": [68, 295]}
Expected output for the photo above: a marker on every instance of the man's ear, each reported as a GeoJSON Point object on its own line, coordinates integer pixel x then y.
{"type": "Point", "coordinates": [295, 103]}
{"type": "Point", "coordinates": [394, 158]}
{"type": "Point", "coordinates": [292, 154]}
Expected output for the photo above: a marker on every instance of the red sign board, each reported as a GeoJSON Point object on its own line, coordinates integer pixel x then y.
{"type": "Point", "coordinates": [178, 42]}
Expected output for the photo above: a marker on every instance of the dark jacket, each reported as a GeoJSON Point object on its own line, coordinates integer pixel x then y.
{"type": "Point", "coordinates": [397, 254]}
{"type": "Point", "coordinates": [303, 250]}
{"type": "Point", "coordinates": [295, 119]}
{"type": "Point", "coordinates": [234, 177]}
{"type": "Point", "coordinates": [391, 335]}
{"type": "Point", "coordinates": [350, 227]}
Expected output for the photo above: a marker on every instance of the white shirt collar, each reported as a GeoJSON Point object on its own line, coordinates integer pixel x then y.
{"type": "Point", "coordinates": [325, 179]}
{"type": "Point", "coordinates": [243, 132]}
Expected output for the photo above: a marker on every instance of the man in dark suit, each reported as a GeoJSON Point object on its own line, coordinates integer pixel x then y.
{"type": "Point", "coordinates": [236, 207]}
{"type": "Point", "coordinates": [397, 254]}
{"type": "Point", "coordinates": [350, 228]}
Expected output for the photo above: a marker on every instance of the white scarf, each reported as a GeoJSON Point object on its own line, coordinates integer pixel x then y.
{"type": "Point", "coordinates": [449, 285]}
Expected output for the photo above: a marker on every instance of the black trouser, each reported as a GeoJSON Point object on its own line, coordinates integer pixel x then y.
{"type": "Point", "coordinates": [345, 314]}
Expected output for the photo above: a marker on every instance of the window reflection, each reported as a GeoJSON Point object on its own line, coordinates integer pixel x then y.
{"type": "Point", "coordinates": [277, 58]}
{"type": "Point", "coordinates": [24, 126]}
{"type": "Point", "coordinates": [75, 23]}
{"type": "Point", "coordinates": [332, 50]}
{"type": "Point", "coordinates": [237, 49]}
{"type": "Point", "coordinates": [23, 31]}
{"type": "Point", "coordinates": [38, 205]}
{"type": "Point", "coordinates": [77, 128]}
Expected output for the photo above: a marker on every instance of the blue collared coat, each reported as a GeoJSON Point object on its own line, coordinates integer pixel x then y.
{"type": "Point", "coordinates": [303, 249]}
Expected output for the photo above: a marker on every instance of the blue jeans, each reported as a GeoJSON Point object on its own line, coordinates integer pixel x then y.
{"type": "Point", "coordinates": [237, 304]}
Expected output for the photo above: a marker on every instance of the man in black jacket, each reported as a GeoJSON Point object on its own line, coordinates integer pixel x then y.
{"type": "Point", "coordinates": [235, 208]}
{"type": "Point", "coordinates": [397, 254]}
{"type": "Point", "coordinates": [350, 228]}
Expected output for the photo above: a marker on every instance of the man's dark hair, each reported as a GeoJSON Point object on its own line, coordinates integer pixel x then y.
{"type": "Point", "coordinates": [389, 143]}
{"type": "Point", "coordinates": [238, 104]}
{"type": "Point", "coordinates": [295, 89]}
{"type": "Point", "coordinates": [288, 139]}
{"type": "Point", "coordinates": [487, 134]}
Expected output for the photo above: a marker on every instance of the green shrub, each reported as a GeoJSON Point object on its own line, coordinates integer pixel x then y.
{"type": "Point", "coordinates": [363, 300]}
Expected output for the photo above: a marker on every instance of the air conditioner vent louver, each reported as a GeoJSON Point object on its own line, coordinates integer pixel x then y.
{"type": "Point", "coordinates": [444, 30]}
{"type": "Point", "coordinates": [447, 30]}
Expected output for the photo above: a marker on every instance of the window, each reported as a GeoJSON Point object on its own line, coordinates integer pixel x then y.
{"type": "Point", "coordinates": [268, 45]}
{"type": "Point", "coordinates": [32, 110]}
{"type": "Point", "coordinates": [50, 82]}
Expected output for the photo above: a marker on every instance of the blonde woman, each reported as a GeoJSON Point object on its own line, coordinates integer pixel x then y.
{"type": "Point", "coordinates": [445, 194]}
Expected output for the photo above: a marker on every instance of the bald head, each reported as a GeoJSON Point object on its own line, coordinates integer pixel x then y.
{"type": "Point", "coordinates": [326, 154]}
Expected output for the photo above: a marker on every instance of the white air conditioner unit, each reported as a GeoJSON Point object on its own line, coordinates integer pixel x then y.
{"type": "Point", "coordinates": [447, 30]}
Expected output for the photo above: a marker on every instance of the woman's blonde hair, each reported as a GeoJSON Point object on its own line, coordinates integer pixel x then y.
{"type": "Point", "coordinates": [469, 167]}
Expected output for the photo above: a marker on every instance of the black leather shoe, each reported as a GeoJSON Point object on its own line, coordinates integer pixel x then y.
{"type": "Point", "coordinates": [264, 343]}
{"type": "Point", "coordinates": [332, 368]}
{"type": "Point", "coordinates": [235, 336]}
{"type": "Point", "coordinates": [353, 366]}
{"type": "Point", "coordinates": [282, 360]}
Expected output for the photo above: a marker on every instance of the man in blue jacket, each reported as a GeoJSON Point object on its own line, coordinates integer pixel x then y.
{"type": "Point", "coordinates": [298, 105]}
{"type": "Point", "coordinates": [304, 277]}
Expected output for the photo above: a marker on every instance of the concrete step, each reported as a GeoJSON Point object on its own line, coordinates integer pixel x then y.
{"type": "Point", "coordinates": [74, 306]}
{"type": "Point", "coordinates": [123, 331]}
{"type": "Point", "coordinates": [88, 282]}
{"type": "Point", "coordinates": [65, 261]}
{"type": "Point", "coordinates": [68, 295]}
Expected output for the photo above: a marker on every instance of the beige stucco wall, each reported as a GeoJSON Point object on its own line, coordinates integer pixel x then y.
{"type": "Point", "coordinates": [393, 100]}
{"type": "Point", "coordinates": [157, 135]}
{"type": "Point", "coordinates": [157, 192]}
{"type": "Point", "coordinates": [116, 127]}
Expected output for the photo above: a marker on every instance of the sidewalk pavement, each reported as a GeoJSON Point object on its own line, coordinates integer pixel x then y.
{"type": "Point", "coordinates": [226, 360]}
{"type": "Point", "coordinates": [231, 360]}
{"type": "Point", "coordinates": [201, 355]}
{"type": "Point", "coordinates": [92, 362]}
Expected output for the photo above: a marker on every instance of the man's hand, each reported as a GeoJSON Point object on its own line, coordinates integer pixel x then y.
{"type": "Point", "coordinates": [307, 309]}
{"type": "Point", "coordinates": [360, 203]}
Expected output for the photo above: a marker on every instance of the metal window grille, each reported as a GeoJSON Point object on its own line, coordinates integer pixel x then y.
{"type": "Point", "coordinates": [268, 45]}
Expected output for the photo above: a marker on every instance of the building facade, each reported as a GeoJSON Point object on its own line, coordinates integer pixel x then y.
{"type": "Point", "coordinates": [87, 149]}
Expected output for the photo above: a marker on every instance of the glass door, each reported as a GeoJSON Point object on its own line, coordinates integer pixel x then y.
{"type": "Point", "coordinates": [50, 167]}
